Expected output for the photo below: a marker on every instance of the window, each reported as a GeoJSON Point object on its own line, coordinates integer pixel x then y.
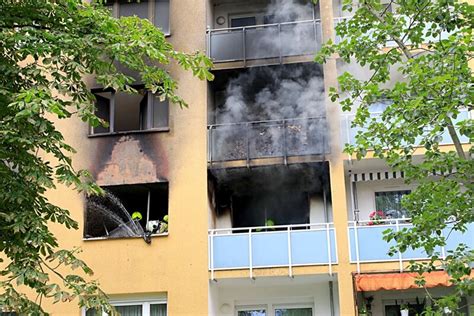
{"type": "Point", "coordinates": [130, 112]}
{"type": "Point", "coordinates": [300, 311]}
{"type": "Point", "coordinates": [152, 308]}
{"type": "Point", "coordinates": [390, 202]}
{"type": "Point", "coordinates": [251, 311]}
{"type": "Point", "coordinates": [127, 211]}
{"type": "Point", "coordinates": [157, 11]}
{"type": "Point", "coordinates": [243, 21]}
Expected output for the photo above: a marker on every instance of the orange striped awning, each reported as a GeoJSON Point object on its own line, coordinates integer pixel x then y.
{"type": "Point", "coordinates": [399, 281]}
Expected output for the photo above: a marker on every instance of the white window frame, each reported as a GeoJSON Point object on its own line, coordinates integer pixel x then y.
{"type": "Point", "coordinates": [144, 303]}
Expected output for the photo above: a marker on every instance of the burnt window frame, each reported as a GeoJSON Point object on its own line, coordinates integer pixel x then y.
{"type": "Point", "coordinates": [152, 12]}
{"type": "Point", "coordinates": [151, 99]}
{"type": "Point", "coordinates": [145, 215]}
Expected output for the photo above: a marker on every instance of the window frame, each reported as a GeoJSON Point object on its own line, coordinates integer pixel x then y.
{"type": "Point", "coordinates": [293, 306]}
{"type": "Point", "coordinates": [247, 308]}
{"type": "Point", "coordinates": [400, 191]}
{"type": "Point", "coordinates": [146, 305]}
{"type": "Point", "coordinates": [149, 114]}
{"type": "Point", "coordinates": [147, 216]}
{"type": "Point", "coordinates": [115, 4]}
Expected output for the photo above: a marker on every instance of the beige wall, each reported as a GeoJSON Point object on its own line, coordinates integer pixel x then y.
{"type": "Point", "coordinates": [175, 265]}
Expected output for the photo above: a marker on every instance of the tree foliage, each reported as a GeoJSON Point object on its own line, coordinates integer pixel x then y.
{"type": "Point", "coordinates": [428, 44]}
{"type": "Point", "coordinates": [47, 47]}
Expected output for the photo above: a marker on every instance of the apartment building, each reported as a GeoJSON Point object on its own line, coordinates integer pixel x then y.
{"type": "Point", "coordinates": [247, 204]}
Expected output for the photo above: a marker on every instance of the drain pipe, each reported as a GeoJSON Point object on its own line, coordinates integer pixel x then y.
{"type": "Point", "coordinates": [325, 204]}
{"type": "Point", "coordinates": [331, 297]}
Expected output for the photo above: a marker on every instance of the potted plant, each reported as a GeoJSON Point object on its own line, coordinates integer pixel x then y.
{"type": "Point", "coordinates": [376, 218]}
{"type": "Point", "coordinates": [404, 309]}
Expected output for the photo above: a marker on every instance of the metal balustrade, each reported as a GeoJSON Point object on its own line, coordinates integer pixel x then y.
{"type": "Point", "coordinates": [389, 43]}
{"type": "Point", "coordinates": [276, 246]}
{"type": "Point", "coordinates": [276, 40]}
{"type": "Point", "coordinates": [367, 244]}
{"type": "Point", "coordinates": [351, 132]}
{"type": "Point", "coordinates": [267, 139]}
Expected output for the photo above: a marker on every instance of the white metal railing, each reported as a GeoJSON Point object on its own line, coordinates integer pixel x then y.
{"type": "Point", "coordinates": [390, 43]}
{"type": "Point", "coordinates": [350, 133]}
{"type": "Point", "coordinates": [297, 238]}
{"type": "Point", "coordinates": [366, 242]}
{"type": "Point", "coordinates": [264, 41]}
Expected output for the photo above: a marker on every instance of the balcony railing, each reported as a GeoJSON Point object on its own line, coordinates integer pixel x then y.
{"type": "Point", "coordinates": [351, 132]}
{"type": "Point", "coordinates": [427, 28]}
{"type": "Point", "coordinates": [264, 41]}
{"type": "Point", "coordinates": [367, 244]}
{"type": "Point", "coordinates": [267, 139]}
{"type": "Point", "coordinates": [278, 246]}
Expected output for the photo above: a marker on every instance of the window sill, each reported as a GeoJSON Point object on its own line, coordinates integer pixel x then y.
{"type": "Point", "coordinates": [118, 238]}
{"type": "Point", "coordinates": [151, 130]}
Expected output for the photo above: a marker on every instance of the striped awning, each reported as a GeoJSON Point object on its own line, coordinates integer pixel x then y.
{"type": "Point", "coordinates": [387, 175]}
{"type": "Point", "coordinates": [376, 175]}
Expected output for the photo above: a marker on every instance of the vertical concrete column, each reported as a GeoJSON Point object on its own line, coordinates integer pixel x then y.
{"type": "Point", "coordinates": [336, 164]}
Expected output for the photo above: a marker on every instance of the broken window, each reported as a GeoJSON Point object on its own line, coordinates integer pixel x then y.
{"type": "Point", "coordinates": [128, 211]}
{"type": "Point", "coordinates": [130, 112]}
{"type": "Point", "coordinates": [157, 11]}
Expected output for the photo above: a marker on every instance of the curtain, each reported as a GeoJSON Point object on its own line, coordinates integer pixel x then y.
{"type": "Point", "coordinates": [132, 310]}
{"type": "Point", "coordinates": [158, 310]}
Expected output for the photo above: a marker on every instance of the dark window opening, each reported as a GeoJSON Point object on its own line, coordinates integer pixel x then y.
{"type": "Point", "coordinates": [127, 211]}
{"type": "Point", "coordinates": [271, 195]}
{"type": "Point", "coordinates": [130, 112]}
{"type": "Point", "coordinates": [390, 202]}
{"type": "Point", "coordinates": [244, 21]}
{"type": "Point", "coordinates": [280, 206]}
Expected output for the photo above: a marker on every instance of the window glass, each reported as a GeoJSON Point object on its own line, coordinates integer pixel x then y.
{"type": "Point", "coordinates": [93, 312]}
{"type": "Point", "coordinates": [158, 310]}
{"type": "Point", "coordinates": [307, 311]}
{"type": "Point", "coordinates": [132, 8]}
{"type": "Point", "coordinates": [255, 312]}
{"type": "Point", "coordinates": [131, 310]}
{"type": "Point", "coordinates": [160, 113]}
{"type": "Point", "coordinates": [162, 15]}
{"type": "Point", "coordinates": [245, 21]}
{"type": "Point", "coordinates": [391, 203]}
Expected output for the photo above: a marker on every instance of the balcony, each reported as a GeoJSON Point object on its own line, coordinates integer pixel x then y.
{"type": "Point", "coordinates": [268, 42]}
{"type": "Point", "coordinates": [351, 132]}
{"type": "Point", "coordinates": [367, 244]}
{"type": "Point", "coordinates": [278, 246]}
{"type": "Point", "coordinates": [427, 29]}
{"type": "Point", "coordinates": [267, 139]}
